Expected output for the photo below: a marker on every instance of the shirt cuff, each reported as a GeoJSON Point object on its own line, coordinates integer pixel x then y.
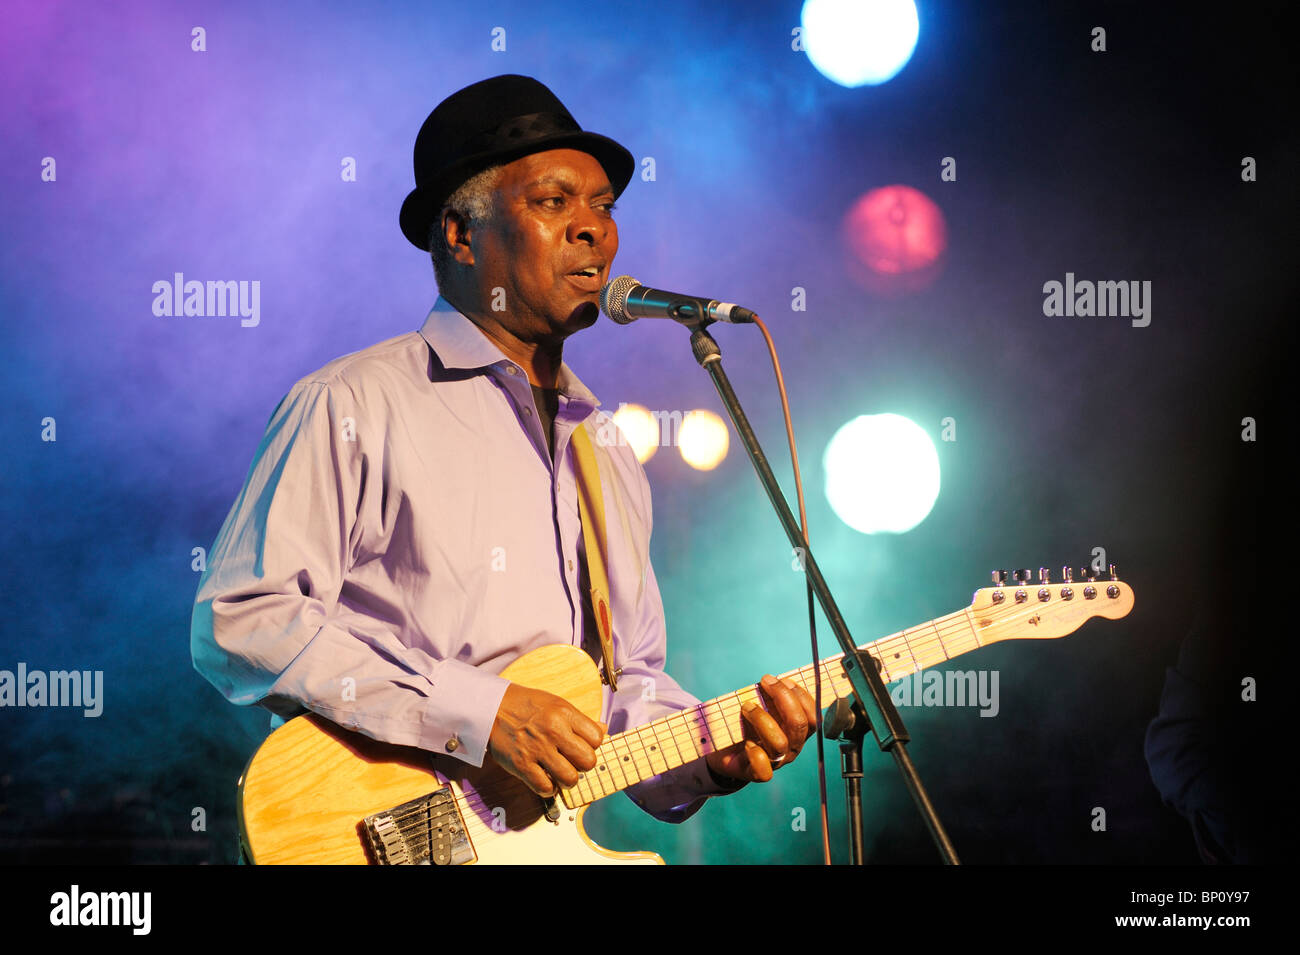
{"type": "Point", "coordinates": [462, 711]}
{"type": "Point", "coordinates": [680, 793]}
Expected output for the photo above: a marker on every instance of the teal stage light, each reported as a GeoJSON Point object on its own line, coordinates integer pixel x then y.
{"type": "Point", "coordinates": [882, 474]}
{"type": "Point", "coordinates": [859, 42]}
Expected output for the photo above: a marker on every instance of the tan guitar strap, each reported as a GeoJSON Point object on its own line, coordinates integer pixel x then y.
{"type": "Point", "coordinates": [591, 508]}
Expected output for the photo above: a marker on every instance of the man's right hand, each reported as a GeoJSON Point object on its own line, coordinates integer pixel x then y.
{"type": "Point", "coordinates": [543, 739]}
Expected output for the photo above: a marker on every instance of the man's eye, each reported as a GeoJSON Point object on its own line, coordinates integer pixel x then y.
{"type": "Point", "coordinates": [559, 201]}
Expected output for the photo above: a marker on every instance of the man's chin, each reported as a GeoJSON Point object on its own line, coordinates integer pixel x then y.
{"type": "Point", "coordinates": [583, 316]}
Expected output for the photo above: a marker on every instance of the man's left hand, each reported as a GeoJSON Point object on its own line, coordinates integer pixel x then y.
{"type": "Point", "coordinates": [774, 736]}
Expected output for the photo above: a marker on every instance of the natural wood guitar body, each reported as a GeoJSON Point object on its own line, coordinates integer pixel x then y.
{"type": "Point", "coordinates": [309, 785]}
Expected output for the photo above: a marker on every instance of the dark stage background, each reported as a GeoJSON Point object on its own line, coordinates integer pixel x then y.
{"type": "Point", "coordinates": [1071, 433]}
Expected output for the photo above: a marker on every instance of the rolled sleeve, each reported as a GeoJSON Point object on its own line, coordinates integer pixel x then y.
{"type": "Point", "coordinates": [268, 627]}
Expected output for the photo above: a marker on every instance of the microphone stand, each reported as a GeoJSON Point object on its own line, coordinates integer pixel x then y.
{"type": "Point", "coordinates": [845, 721]}
{"type": "Point", "coordinates": [882, 716]}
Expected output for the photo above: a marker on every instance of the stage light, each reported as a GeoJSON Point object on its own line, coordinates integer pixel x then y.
{"type": "Point", "coordinates": [703, 440]}
{"type": "Point", "coordinates": [896, 238]}
{"type": "Point", "coordinates": [859, 42]}
{"type": "Point", "coordinates": [640, 429]}
{"type": "Point", "coordinates": [882, 474]}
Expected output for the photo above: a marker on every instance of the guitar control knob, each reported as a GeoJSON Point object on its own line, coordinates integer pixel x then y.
{"type": "Point", "coordinates": [1067, 574]}
{"type": "Point", "coordinates": [1044, 575]}
{"type": "Point", "coordinates": [999, 578]}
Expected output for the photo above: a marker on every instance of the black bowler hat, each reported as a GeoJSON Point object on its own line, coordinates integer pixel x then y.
{"type": "Point", "coordinates": [495, 121]}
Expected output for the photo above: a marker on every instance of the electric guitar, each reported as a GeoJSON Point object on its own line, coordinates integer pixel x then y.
{"type": "Point", "coordinates": [317, 793]}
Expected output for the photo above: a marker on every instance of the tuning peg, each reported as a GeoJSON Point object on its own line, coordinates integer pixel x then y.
{"type": "Point", "coordinates": [1088, 573]}
{"type": "Point", "coordinates": [999, 578]}
{"type": "Point", "coordinates": [1044, 575]}
{"type": "Point", "coordinates": [1113, 574]}
{"type": "Point", "coordinates": [1067, 574]}
{"type": "Point", "coordinates": [1022, 576]}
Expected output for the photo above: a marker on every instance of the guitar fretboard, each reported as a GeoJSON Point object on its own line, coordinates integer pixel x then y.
{"type": "Point", "coordinates": [671, 741]}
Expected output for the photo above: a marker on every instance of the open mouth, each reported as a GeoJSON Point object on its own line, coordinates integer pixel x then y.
{"type": "Point", "coordinates": [587, 279]}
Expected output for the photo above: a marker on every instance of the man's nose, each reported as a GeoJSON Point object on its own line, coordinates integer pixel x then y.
{"type": "Point", "coordinates": [587, 226]}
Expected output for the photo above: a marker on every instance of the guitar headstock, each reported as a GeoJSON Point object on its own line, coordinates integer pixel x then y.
{"type": "Point", "coordinates": [1043, 609]}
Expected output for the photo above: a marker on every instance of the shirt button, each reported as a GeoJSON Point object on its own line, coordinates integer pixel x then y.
{"type": "Point", "coordinates": [570, 565]}
{"type": "Point", "coordinates": [528, 412]}
{"type": "Point", "coordinates": [511, 370]}
{"type": "Point", "coordinates": [453, 744]}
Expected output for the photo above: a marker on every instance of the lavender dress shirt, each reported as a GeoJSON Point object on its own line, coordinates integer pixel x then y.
{"type": "Point", "coordinates": [404, 533]}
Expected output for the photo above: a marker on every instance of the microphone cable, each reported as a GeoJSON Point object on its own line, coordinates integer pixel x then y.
{"type": "Point", "coordinates": [812, 618]}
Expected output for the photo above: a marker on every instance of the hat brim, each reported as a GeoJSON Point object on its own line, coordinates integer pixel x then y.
{"type": "Point", "coordinates": [424, 202]}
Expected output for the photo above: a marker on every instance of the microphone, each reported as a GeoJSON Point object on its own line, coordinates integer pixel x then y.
{"type": "Point", "coordinates": [624, 300]}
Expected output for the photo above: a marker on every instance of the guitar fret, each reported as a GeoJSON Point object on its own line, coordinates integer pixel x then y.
{"type": "Point", "coordinates": [636, 753]}
{"type": "Point", "coordinates": [615, 763]}
{"type": "Point", "coordinates": [737, 725]}
{"type": "Point", "coordinates": [681, 737]}
{"type": "Point", "coordinates": [655, 750]}
{"type": "Point", "coordinates": [605, 774]}
{"type": "Point", "coordinates": [681, 760]}
{"type": "Point", "coordinates": [679, 731]}
{"type": "Point", "coordinates": [696, 729]}
{"type": "Point", "coordinates": [942, 648]}
{"type": "Point", "coordinates": [908, 643]}
{"type": "Point", "coordinates": [627, 760]}
{"type": "Point", "coordinates": [591, 779]}
{"type": "Point", "coordinates": [715, 724]}
{"type": "Point", "coordinates": [574, 796]}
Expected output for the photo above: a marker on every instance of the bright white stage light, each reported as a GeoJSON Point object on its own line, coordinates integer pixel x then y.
{"type": "Point", "coordinates": [859, 42]}
{"type": "Point", "coordinates": [882, 474]}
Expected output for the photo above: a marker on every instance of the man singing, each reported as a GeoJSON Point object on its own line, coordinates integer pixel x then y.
{"type": "Point", "coordinates": [410, 524]}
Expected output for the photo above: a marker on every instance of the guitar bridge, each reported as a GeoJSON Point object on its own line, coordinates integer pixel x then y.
{"type": "Point", "coordinates": [425, 831]}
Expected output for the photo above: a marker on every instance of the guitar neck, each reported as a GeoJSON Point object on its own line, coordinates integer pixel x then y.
{"type": "Point", "coordinates": [629, 758]}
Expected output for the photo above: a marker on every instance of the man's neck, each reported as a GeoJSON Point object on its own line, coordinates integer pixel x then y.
{"type": "Point", "coordinates": [540, 360]}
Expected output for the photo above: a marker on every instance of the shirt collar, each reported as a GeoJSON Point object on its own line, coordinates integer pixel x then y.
{"type": "Point", "coordinates": [459, 343]}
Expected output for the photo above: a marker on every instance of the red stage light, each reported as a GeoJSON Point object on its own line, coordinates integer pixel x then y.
{"type": "Point", "coordinates": [896, 237]}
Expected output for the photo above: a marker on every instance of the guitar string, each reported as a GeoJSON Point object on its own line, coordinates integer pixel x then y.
{"type": "Point", "coordinates": [922, 639]}
{"type": "Point", "coordinates": [727, 706]}
{"type": "Point", "coordinates": [679, 725]}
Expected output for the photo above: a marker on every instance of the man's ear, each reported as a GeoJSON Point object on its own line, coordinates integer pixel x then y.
{"type": "Point", "coordinates": [456, 233]}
